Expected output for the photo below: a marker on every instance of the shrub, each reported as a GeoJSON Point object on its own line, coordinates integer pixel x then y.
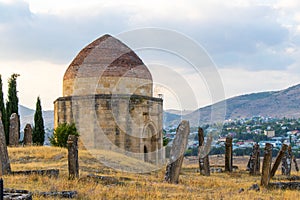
{"type": "Point", "coordinates": [165, 141]}
{"type": "Point", "coordinates": [61, 133]}
{"type": "Point", "coordinates": [191, 152]}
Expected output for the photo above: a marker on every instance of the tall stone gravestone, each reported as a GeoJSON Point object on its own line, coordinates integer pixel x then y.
{"type": "Point", "coordinates": [287, 162]}
{"type": "Point", "coordinates": [4, 159]}
{"type": "Point", "coordinates": [254, 161]}
{"type": "Point", "coordinates": [73, 164]}
{"type": "Point", "coordinates": [266, 167]}
{"type": "Point", "coordinates": [27, 135]}
{"type": "Point", "coordinates": [14, 130]}
{"type": "Point", "coordinates": [228, 154]}
{"type": "Point", "coordinates": [177, 152]}
{"type": "Point", "coordinates": [203, 153]}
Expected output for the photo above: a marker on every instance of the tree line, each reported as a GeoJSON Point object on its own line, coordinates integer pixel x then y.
{"type": "Point", "coordinates": [12, 106]}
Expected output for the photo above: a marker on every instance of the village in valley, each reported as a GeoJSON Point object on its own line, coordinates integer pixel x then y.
{"type": "Point", "coordinates": [245, 132]}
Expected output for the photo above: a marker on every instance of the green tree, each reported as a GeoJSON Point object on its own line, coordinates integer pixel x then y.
{"type": "Point", "coordinates": [38, 132]}
{"type": "Point", "coordinates": [61, 133]}
{"type": "Point", "coordinates": [12, 102]}
{"type": "Point", "coordinates": [2, 108]}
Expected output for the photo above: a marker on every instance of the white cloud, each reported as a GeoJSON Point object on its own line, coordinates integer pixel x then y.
{"type": "Point", "coordinates": [36, 78]}
{"type": "Point", "coordinates": [248, 40]}
{"type": "Point", "coordinates": [238, 81]}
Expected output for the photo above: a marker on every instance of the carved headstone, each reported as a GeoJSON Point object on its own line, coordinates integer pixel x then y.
{"type": "Point", "coordinates": [266, 168]}
{"type": "Point", "coordinates": [278, 159]}
{"type": "Point", "coordinates": [254, 162]}
{"type": "Point", "coordinates": [14, 130]}
{"type": "Point", "coordinates": [27, 135]}
{"type": "Point", "coordinates": [177, 152]}
{"type": "Point", "coordinates": [203, 154]}
{"type": "Point", "coordinates": [228, 154]}
{"type": "Point", "coordinates": [287, 162]}
{"type": "Point", "coordinates": [73, 157]}
{"type": "Point", "coordinates": [4, 159]}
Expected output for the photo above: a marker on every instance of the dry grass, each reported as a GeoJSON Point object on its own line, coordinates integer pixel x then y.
{"type": "Point", "coordinates": [136, 186]}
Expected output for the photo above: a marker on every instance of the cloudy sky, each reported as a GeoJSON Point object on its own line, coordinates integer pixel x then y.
{"type": "Point", "coordinates": [253, 44]}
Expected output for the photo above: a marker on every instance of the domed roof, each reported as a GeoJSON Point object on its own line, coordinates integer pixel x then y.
{"type": "Point", "coordinates": [109, 56]}
{"type": "Point", "coordinates": [107, 66]}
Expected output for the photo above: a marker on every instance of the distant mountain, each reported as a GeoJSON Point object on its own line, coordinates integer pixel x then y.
{"type": "Point", "coordinates": [170, 119]}
{"type": "Point", "coordinates": [27, 116]}
{"type": "Point", "coordinates": [283, 103]}
{"type": "Point", "coordinates": [179, 112]}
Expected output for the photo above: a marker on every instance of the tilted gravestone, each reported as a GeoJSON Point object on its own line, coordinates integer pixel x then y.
{"type": "Point", "coordinates": [278, 159]}
{"type": "Point", "coordinates": [27, 135]}
{"type": "Point", "coordinates": [4, 159]}
{"type": "Point", "coordinates": [73, 157]}
{"type": "Point", "coordinates": [14, 130]}
{"type": "Point", "coordinates": [177, 152]}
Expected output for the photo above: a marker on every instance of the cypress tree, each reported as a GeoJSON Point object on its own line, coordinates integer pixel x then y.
{"type": "Point", "coordinates": [38, 133]}
{"type": "Point", "coordinates": [12, 102]}
{"type": "Point", "coordinates": [2, 107]}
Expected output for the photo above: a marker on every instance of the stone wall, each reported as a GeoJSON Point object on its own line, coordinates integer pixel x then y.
{"type": "Point", "coordinates": [116, 122]}
{"type": "Point", "coordinates": [107, 85]}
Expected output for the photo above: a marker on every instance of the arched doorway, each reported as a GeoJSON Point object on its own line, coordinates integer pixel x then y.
{"type": "Point", "coordinates": [150, 143]}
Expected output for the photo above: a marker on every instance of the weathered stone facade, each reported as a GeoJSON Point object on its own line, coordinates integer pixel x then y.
{"type": "Point", "coordinates": [107, 92]}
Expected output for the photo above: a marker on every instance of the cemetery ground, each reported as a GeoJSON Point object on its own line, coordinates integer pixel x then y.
{"type": "Point", "coordinates": [107, 183]}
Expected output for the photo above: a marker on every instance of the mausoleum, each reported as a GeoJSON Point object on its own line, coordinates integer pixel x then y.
{"type": "Point", "coordinates": [108, 94]}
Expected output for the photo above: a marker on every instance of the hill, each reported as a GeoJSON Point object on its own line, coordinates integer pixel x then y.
{"type": "Point", "coordinates": [279, 104]}
{"type": "Point", "coordinates": [27, 116]}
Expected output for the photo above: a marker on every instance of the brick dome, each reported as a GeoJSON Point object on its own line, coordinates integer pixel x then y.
{"type": "Point", "coordinates": [107, 66]}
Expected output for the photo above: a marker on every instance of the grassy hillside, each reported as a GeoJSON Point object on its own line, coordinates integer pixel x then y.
{"type": "Point", "coordinates": [132, 186]}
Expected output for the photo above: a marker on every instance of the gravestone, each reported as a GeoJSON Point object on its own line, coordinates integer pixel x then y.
{"type": "Point", "coordinates": [4, 159]}
{"type": "Point", "coordinates": [177, 152]}
{"type": "Point", "coordinates": [287, 162]}
{"type": "Point", "coordinates": [278, 159]}
{"type": "Point", "coordinates": [203, 154]}
{"type": "Point", "coordinates": [228, 154]}
{"type": "Point", "coordinates": [266, 168]}
{"type": "Point", "coordinates": [73, 157]}
{"type": "Point", "coordinates": [12, 194]}
{"type": "Point", "coordinates": [27, 135]}
{"type": "Point", "coordinates": [254, 162]}
{"type": "Point", "coordinates": [14, 130]}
